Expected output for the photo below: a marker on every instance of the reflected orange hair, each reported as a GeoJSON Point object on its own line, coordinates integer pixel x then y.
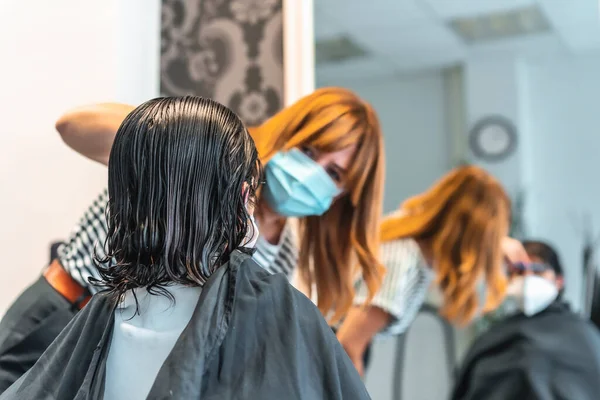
{"type": "Point", "coordinates": [331, 119]}
{"type": "Point", "coordinates": [463, 219]}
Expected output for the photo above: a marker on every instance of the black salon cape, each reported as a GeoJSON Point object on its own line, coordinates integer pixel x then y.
{"type": "Point", "coordinates": [554, 355]}
{"type": "Point", "coordinates": [252, 336]}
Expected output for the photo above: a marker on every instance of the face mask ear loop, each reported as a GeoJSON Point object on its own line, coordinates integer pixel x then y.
{"type": "Point", "coordinates": [246, 194]}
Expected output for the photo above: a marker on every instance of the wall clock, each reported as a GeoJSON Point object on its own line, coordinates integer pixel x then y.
{"type": "Point", "coordinates": [493, 138]}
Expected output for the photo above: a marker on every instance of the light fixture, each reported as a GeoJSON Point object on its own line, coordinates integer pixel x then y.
{"type": "Point", "coordinates": [337, 49]}
{"type": "Point", "coordinates": [501, 25]}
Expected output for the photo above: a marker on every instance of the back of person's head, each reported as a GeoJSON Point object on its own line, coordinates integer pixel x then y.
{"type": "Point", "coordinates": [463, 219]}
{"type": "Point", "coordinates": [180, 174]}
{"type": "Point", "coordinates": [332, 119]}
{"type": "Point", "coordinates": [543, 252]}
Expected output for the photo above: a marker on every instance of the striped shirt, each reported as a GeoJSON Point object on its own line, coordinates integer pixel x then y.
{"type": "Point", "coordinates": [405, 284]}
{"type": "Point", "coordinates": [281, 257]}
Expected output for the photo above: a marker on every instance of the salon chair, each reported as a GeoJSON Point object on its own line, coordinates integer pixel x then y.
{"type": "Point", "coordinates": [418, 365]}
{"type": "Point", "coordinates": [594, 297]}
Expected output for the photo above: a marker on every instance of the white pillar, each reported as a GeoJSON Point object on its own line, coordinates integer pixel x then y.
{"type": "Point", "coordinates": [298, 50]}
{"type": "Point", "coordinates": [138, 50]}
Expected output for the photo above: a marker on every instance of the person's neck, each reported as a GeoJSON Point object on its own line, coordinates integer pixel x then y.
{"type": "Point", "coordinates": [270, 223]}
{"type": "Point", "coordinates": [426, 250]}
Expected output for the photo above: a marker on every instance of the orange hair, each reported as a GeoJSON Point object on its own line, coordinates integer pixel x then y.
{"type": "Point", "coordinates": [462, 219]}
{"type": "Point", "coordinates": [331, 119]}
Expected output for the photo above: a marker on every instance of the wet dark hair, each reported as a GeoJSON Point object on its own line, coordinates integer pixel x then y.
{"type": "Point", "coordinates": [544, 252]}
{"type": "Point", "coordinates": [176, 209]}
{"type": "Point", "coordinates": [547, 254]}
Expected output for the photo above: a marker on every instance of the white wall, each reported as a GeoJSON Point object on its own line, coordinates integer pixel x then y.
{"type": "Point", "coordinates": [493, 87]}
{"type": "Point", "coordinates": [411, 111]}
{"type": "Point", "coordinates": [56, 55]}
{"type": "Point", "coordinates": [564, 106]}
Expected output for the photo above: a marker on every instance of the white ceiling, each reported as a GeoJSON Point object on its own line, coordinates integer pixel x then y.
{"type": "Point", "coordinates": [408, 35]}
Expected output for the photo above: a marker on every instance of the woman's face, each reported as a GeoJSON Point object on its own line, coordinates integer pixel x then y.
{"type": "Point", "coordinates": [336, 164]}
{"type": "Point", "coordinates": [305, 181]}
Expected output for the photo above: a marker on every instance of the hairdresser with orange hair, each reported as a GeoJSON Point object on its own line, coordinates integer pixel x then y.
{"type": "Point", "coordinates": [455, 235]}
{"type": "Point", "coordinates": [318, 215]}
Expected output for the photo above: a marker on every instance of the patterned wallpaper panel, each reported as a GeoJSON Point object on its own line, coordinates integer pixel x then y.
{"type": "Point", "coordinates": [228, 50]}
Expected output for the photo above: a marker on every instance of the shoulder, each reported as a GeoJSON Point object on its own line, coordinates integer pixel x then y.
{"type": "Point", "coordinates": [251, 278]}
{"type": "Point", "coordinates": [103, 197]}
{"type": "Point", "coordinates": [247, 269]}
{"type": "Point", "coordinates": [559, 320]}
{"type": "Point", "coordinates": [99, 308]}
{"type": "Point", "coordinates": [273, 321]}
{"type": "Point", "coordinates": [272, 293]}
{"type": "Point", "coordinates": [99, 205]}
{"type": "Point", "coordinates": [64, 363]}
{"type": "Point", "coordinates": [506, 369]}
{"type": "Point", "coordinates": [523, 339]}
{"type": "Point", "coordinates": [400, 251]}
{"type": "Point", "coordinates": [406, 244]}
{"type": "Point", "coordinates": [484, 360]}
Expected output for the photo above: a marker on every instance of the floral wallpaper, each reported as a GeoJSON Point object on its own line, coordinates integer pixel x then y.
{"type": "Point", "coordinates": [228, 50]}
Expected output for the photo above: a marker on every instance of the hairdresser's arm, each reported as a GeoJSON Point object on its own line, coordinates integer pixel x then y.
{"type": "Point", "coordinates": [387, 310]}
{"type": "Point", "coordinates": [359, 328]}
{"type": "Point", "coordinates": [90, 130]}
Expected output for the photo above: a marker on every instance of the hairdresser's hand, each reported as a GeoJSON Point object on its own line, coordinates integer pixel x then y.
{"type": "Point", "coordinates": [357, 359]}
{"type": "Point", "coordinates": [513, 250]}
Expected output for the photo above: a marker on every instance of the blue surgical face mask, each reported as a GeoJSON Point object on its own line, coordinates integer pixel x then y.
{"type": "Point", "coordinates": [297, 186]}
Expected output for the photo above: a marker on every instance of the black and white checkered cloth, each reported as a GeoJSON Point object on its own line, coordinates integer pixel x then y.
{"type": "Point", "coordinates": [77, 253]}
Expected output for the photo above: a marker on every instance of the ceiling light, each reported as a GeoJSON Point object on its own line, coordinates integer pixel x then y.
{"type": "Point", "coordinates": [337, 49]}
{"type": "Point", "coordinates": [501, 25]}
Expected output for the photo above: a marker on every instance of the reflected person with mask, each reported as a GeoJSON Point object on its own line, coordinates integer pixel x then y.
{"type": "Point", "coordinates": [452, 236]}
{"type": "Point", "coordinates": [541, 350]}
